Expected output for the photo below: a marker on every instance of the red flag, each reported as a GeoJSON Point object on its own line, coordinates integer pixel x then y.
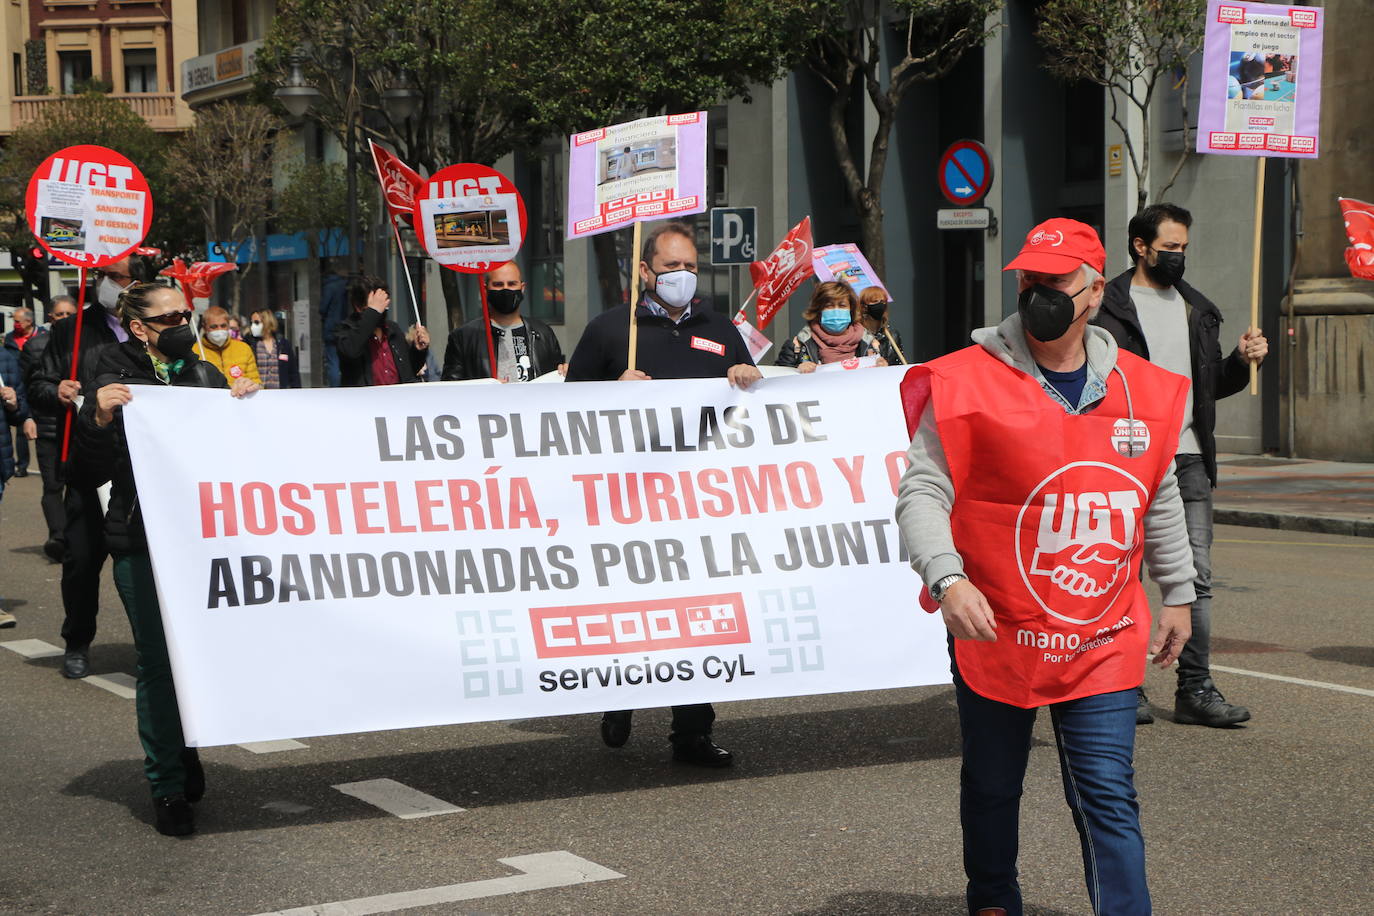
{"type": "Point", "coordinates": [778, 276]}
{"type": "Point", "coordinates": [1359, 227]}
{"type": "Point", "coordinates": [196, 279]}
{"type": "Point", "coordinates": [400, 183]}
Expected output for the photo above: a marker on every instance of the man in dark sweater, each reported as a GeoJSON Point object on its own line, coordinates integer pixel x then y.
{"type": "Point", "coordinates": [679, 337]}
{"type": "Point", "coordinates": [55, 393]}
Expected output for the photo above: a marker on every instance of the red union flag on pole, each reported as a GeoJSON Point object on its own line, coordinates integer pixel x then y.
{"type": "Point", "coordinates": [197, 278]}
{"type": "Point", "coordinates": [400, 183]}
{"type": "Point", "coordinates": [777, 276]}
{"type": "Point", "coordinates": [1359, 228]}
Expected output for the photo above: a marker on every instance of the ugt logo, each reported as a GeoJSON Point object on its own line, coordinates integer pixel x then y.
{"type": "Point", "coordinates": [1075, 537]}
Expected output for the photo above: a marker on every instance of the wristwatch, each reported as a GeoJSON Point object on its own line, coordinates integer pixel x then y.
{"type": "Point", "coordinates": [937, 591]}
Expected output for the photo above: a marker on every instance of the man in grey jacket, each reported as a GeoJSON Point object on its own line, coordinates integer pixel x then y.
{"type": "Point", "coordinates": [1040, 473]}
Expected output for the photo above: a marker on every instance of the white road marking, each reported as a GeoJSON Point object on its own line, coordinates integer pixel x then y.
{"type": "Point", "coordinates": [117, 682]}
{"type": "Point", "coordinates": [286, 807]}
{"type": "Point", "coordinates": [32, 648]}
{"type": "Point", "coordinates": [1358, 691]}
{"type": "Point", "coordinates": [398, 799]}
{"type": "Point", "coordinates": [271, 747]}
{"type": "Point", "coordinates": [541, 871]}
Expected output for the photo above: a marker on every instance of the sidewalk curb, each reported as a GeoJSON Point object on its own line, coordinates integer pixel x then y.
{"type": "Point", "coordinates": [1286, 521]}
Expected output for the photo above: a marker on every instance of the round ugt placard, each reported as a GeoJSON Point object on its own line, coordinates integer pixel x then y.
{"type": "Point", "coordinates": [470, 218]}
{"type": "Point", "coordinates": [88, 206]}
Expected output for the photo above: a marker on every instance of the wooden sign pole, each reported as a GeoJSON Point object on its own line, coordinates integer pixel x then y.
{"type": "Point", "coordinates": [1255, 268]}
{"type": "Point", "coordinates": [634, 296]}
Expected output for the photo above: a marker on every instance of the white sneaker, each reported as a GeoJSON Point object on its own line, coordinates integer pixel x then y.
{"type": "Point", "coordinates": [6, 620]}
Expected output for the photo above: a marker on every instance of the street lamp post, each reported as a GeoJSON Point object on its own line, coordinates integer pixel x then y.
{"type": "Point", "coordinates": [298, 96]}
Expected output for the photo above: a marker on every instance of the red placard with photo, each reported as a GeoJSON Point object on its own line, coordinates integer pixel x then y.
{"type": "Point", "coordinates": [88, 206]}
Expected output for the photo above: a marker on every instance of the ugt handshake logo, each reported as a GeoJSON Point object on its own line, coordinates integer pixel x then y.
{"type": "Point", "coordinates": [1075, 537]}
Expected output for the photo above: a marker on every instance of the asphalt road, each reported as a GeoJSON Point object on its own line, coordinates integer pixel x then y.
{"type": "Point", "coordinates": [841, 804]}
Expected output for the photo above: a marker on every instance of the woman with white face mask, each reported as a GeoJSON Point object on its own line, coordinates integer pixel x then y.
{"type": "Point", "coordinates": [833, 333]}
{"type": "Point", "coordinates": [276, 359]}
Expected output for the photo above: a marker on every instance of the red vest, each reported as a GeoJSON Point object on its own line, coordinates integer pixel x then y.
{"type": "Point", "coordinates": [1048, 518]}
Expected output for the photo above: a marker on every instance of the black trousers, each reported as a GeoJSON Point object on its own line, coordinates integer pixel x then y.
{"type": "Point", "coordinates": [21, 449]}
{"type": "Point", "coordinates": [53, 512]}
{"type": "Point", "coordinates": [690, 722]}
{"type": "Point", "coordinates": [85, 533]}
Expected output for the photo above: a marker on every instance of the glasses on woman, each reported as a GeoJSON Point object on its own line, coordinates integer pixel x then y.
{"type": "Point", "coordinates": [168, 319]}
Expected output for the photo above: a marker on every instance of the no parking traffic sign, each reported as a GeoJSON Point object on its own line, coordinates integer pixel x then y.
{"type": "Point", "coordinates": [965, 173]}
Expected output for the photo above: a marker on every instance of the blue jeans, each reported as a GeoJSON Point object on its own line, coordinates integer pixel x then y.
{"type": "Point", "coordinates": [331, 363]}
{"type": "Point", "coordinates": [1096, 740]}
{"type": "Point", "coordinates": [1194, 662]}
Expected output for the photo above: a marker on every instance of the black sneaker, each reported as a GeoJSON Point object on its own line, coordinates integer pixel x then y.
{"type": "Point", "coordinates": [615, 727]}
{"type": "Point", "coordinates": [1204, 705]}
{"type": "Point", "coordinates": [701, 751]}
{"type": "Point", "coordinates": [174, 816]}
{"type": "Point", "coordinates": [1143, 713]}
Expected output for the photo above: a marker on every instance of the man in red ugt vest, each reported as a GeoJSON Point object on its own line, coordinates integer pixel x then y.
{"type": "Point", "coordinates": [1041, 473]}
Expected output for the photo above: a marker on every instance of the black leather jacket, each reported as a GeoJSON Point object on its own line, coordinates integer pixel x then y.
{"type": "Point", "coordinates": [1214, 377]}
{"type": "Point", "coordinates": [102, 455]}
{"type": "Point", "coordinates": [465, 357]}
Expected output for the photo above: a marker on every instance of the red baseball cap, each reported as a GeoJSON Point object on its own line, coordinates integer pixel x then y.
{"type": "Point", "coordinates": [1060, 246]}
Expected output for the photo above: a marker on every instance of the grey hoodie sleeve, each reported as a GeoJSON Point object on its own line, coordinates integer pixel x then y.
{"type": "Point", "coordinates": [925, 496]}
{"type": "Point", "coordinates": [1168, 553]}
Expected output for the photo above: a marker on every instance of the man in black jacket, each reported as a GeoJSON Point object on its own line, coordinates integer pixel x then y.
{"type": "Point", "coordinates": [526, 348]}
{"type": "Point", "coordinates": [372, 348]}
{"type": "Point", "coordinates": [46, 444]}
{"type": "Point", "coordinates": [679, 337]}
{"type": "Point", "coordinates": [55, 392]}
{"type": "Point", "coordinates": [1154, 314]}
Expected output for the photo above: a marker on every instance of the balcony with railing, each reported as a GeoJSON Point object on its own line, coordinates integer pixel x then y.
{"type": "Point", "coordinates": [157, 108]}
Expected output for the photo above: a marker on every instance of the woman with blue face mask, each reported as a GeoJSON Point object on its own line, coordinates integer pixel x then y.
{"type": "Point", "coordinates": [833, 332]}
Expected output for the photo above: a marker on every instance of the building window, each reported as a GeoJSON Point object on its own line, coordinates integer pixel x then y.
{"type": "Point", "coordinates": [76, 70]}
{"type": "Point", "coordinates": [140, 71]}
{"type": "Point", "coordinates": [18, 74]}
{"type": "Point", "coordinates": [544, 208]}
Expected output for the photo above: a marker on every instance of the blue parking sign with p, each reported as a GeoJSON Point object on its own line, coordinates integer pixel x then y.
{"type": "Point", "coordinates": [734, 235]}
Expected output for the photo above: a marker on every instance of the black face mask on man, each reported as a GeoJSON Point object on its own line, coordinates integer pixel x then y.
{"type": "Point", "coordinates": [1167, 268]}
{"type": "Point", "coordinates": [1046, 313]}
{"type": "Point", "coordinates": [177, 342]}
{"type": "Point", "coordinates": [505, 301]}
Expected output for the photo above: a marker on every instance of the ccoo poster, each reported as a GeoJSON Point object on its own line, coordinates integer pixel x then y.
{"type": "Point", "coordinates": [1261, 80]}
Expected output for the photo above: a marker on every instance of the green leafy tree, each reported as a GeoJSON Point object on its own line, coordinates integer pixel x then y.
{"type": "Point", "coordinates": [102, 121]}
{"type": "Point", "coordinates": [494, 76]}
{"type": "Point", "coordinates": [848, 57]}
{"type": "Point", "coordinates": [1128, 47]}
{"type": "Point", "coordinates": [227, 157]}
{"type": "Point", "coordinates": [313, 199]}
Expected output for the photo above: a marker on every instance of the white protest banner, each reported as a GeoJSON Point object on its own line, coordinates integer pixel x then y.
{"type": "Point", "coordinates": [845, 365]}
{"type": "Point", "coordinates": [445, 554]}
{"type": "Point", "coordinates": [653, 168]}
{"type": "Point", "coordinates": [88, 205]}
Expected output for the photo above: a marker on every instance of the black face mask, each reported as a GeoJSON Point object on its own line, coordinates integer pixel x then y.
{"type": "Point", "coordinates": [876, 310]}
{"type": "Point", "coordinates": [177, 342]}
{"type": "Point", "coordinates": [1167, 269]}
{"type": "Point", "coordinates": [505, 301]}
{"type": "Point", "coordinates": [1046, 313]}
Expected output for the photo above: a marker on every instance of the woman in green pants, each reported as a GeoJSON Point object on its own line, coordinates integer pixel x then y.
{"type": "Point", "coordinates": [158, 351]}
